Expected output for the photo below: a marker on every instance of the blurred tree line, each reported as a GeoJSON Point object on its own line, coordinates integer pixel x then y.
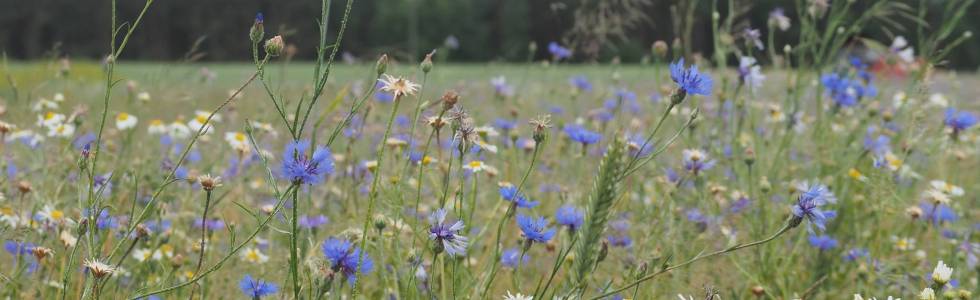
{"type": "Point", "coordinates": [464, 30]}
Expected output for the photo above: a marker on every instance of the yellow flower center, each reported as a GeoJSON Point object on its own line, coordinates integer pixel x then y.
{"type": "Point", "coordinates": [122, 116]}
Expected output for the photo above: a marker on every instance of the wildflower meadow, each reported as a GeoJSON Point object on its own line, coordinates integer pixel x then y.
{"type": "Point", "coordinates": [800, 156]}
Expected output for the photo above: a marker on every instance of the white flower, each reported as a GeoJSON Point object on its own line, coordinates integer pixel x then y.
{"type": "Point", "coordinates": [49, 214]}
{"type": "Point", "coordinates": [900, 47]}
{"type": "Point", "coordinates": [157, 127]}
{"type": "Point", "coordinates": [200, 121]}
{"type": "Point", "coordinates": [59, 97]}
{"type": "Point", "coordinates": [178, 130]}
{"type": "Point", "coordinates": [43, 104]}
{"type": "Point", "coordinates": [27, 136]}
{"type": "Point", "coordinates": [237, 140]}
{"type": "Point", "coordinates": [143, 96]}
{"type": "Point", "coordinates": [487, 146]}
{"type": "Point", "coordinates": [941, 274]}
{"type": "Point", "coordinates": [398, 86]}
{"type": "Point", "coordinates": [750, 73]}
{"type": "Point", "coordinates": [63, 130]}
{"type": "Point", "coordinates": [517, 296]}
{"type": "Point", "coordinates": [125, 121]}
{"type": "Point", "coordinates": [939, 100]}
{"type": "Point", "coordinates": [254, 255]}
{"type": "Point", "coordinates": [947, 188]}
{"type": "Point", "coordinates": [927, 294]}
{"type": "Point", "coordinates": [142, 255]}
{"type": "Point", "coordinates": [68, 239]}
{"type": "Point", "coordinates": [476, 166]}
{"type": "Point", "coordinates": [50, 119]}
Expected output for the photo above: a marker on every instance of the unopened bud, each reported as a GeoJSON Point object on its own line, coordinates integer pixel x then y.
{"type": "Point", "coordinates": [427, 62]}
{"type": "Point", "coordinates": [258, 29]}
{"type": "Point", "coordinates": [449, 99]}
{"type": "Point", "coordinates": [382, 66]}
{"type": "Point", "coordinates": [660, 48]}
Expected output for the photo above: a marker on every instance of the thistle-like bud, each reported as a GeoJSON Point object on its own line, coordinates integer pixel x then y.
{"type": "Point", "coordinates": [41, 252]}
{"type": "Point", "coordinates": [380, 222]}
{"type": "Point", "coordinates": [758, 291]}
{"type": "Point", "coordinates": [274, 45]}
{"type": "Point", "coordinates": [749, 156]}
{"type": "Point", "coordinates": [382, 66]}
{"type": "Point", "coordinates": [208, 183]}
{"type": "Point", "coordinates": [449, 99]}
{"type": "Point", "coordinates": [764, 184]}
{"type": "Point", "coordinates": [142, 231]}
{"type": "Point", "coordinates": [541, 124]}
{"type": "Point", "coordinates": [24, 186]}
{"type": "Point", "coordinates": [427, 62]}
{"type": "Point", "coordinates": [660, 48]}
{"type": "Point", "coordinates": [82, 226]}
{"type": "Point", "coordinates": [176, 261]}
{"type": "Point", "coordinates": [258, 29]}
{"type": "Point", "coordinates": [678, 96]}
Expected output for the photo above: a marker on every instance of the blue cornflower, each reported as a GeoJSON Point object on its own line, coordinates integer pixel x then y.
{"type": "Point", "coordinates": [509, 193]}
{"type": "Point", "coordinates": [581, 82]}
{"type": "Point", "coordinates": [808, 205]}
{"type": "Point", "coordinates": [505, 124]}
{"type": "Point", "coordinates": [822, 242]}
{"type": "Point", "coordinates": [937, 213]}
{"type": "Point", "coordinates": [959, 120]}
{"type": "Point", "coordinates": [877, 145]}
{"type": "Point", "coordinates": [311, 222]}
{"type": "Point", "coordinates": [259, 18]}
{"type": "Point", "coordinates": [558, 52]}
{"type": "Point", "coordinates": [846, 91]}
{"type": "Point", "coordinates": [446, 235]}
{"type": "Point", "coordinates": [689, 80]}
{"type": "Point", "coordinates": [535, 229]}
{"type": "Point", "coordinates": [343, 258]}
{"type": "Point", "coordinates": [256, 288]}
{"type": "Point", "coordinates": [212, 224]}
{"type": "Point", "coordinates": [581, 135]}
{"type": "Point", "coordinates": [855, 253]}
{"type": "Point", "coordinates": [512, 257]}
{"type": "Point", "coordinates": [696, 161]}
{"type": "Point", "coordinates": [620, 234]}
{"type": "Point", "coordinates": [740, 204]}
{"type": "Point", "coordinates": [570, 216]}
{"type": "Point", "coordinates": [299, 168]}
{"type": "Point", "coordinates": [16, 248]}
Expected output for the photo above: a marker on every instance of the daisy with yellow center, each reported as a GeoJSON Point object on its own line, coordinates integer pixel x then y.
{"type": "Point", "coordinates": [157, 126]}
{"type": "Point", "coordinates": [856, 175]}
{"type": "Point", "coordinates": [947, 188]}
{"type": "Point", "coordinates": [398, 86]}
{"type": "Point", "coordinates": [254, 255]}
{"type": "Point", "coordinates": [238, 141]}
{"type": "Point", "coordinates": [62, 130]}
{"type": "Point", "coordinates": [125, 121]}
{"type": "Point", "coordinates": [476, 166]}
{"type": "Point", "coordinates": [200, 121]}
{"type": "Point", "coordinates": [50, 119]}
{"type": "Point", "coordinates": [178, 130]}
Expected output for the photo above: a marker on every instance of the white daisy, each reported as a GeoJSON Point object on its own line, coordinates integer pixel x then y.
{"type": "Point", "coordinates": [125, 121]}
{"type": "Point", "coordinates": [942, 273]}
{"type": "Point", "coordinates": [398, 86]}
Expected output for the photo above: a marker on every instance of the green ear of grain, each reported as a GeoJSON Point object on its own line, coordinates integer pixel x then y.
{"type": "Point", "coordinates": [604, 193]}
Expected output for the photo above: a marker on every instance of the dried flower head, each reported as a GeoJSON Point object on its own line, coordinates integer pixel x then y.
{"type": "Point", "coordinates": [208, 182]}
{"type": "Point", "coordinates": [99, 268]}
{"type": "Point", "coordinates": [398, 86]}
{"type": "Point", "coordinates": [41, 252]}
